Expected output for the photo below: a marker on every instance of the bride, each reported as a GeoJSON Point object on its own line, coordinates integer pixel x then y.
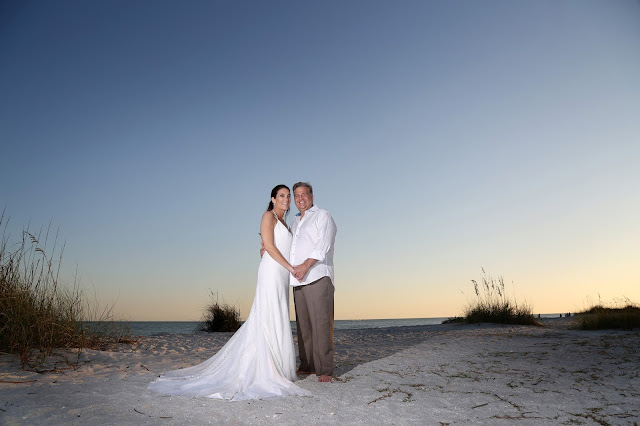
{"type": "Point", "coordinates": [258, 362]}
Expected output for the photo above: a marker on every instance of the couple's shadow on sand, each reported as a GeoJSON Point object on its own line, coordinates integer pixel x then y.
{"type": "Point", "coordinates": [359, 346]}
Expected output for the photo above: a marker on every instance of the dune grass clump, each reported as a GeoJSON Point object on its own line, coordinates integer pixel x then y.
{"type": "Point", "coordinates": [492, 304]}
{"type": "Point", "coordinates": [622, 315]}
{"type": "Point", "coordinates": [220, 317]}
{"type": "Point", "coordinates": [454, 320]}
{"type": "Point", "coordinates": [37, 313]}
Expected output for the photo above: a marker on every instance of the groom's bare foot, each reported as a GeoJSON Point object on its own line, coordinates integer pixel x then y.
{"type": "Point", "coordinates": [324, 379]}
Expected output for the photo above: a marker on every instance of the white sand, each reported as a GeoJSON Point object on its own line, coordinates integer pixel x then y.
{"type": "Point", "coordinates": [441, 374]}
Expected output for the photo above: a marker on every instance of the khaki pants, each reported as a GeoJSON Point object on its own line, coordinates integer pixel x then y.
{"type": "Point", "coordinates": [314, 321]}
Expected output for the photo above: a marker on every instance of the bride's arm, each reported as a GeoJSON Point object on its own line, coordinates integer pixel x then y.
{"type": "Point", "coordinates": [267, 226]}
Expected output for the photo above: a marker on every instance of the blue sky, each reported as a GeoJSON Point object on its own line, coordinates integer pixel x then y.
{"type": "Point", "coordinates": [444, 137]}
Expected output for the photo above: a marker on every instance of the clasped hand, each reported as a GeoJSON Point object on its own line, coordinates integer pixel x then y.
{"type": "Point", "coordinates": [299, 272]}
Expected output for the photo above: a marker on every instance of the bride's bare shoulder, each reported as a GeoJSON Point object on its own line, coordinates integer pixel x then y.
{"type": "Point", "coordinates": [268, 217]}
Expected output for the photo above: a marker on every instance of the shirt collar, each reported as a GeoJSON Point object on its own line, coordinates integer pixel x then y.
{"type": "Point", "coordinates": [312, 209]}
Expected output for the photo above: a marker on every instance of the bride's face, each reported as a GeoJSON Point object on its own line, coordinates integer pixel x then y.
{"type": "Point", "coordinates": [282, 200]}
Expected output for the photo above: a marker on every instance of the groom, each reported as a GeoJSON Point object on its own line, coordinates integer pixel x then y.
{"type": "Point", "coordinates": [314, 234]}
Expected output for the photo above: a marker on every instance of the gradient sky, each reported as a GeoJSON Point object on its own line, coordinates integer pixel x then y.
{"type": "Point", "coordinates": [443, 136]}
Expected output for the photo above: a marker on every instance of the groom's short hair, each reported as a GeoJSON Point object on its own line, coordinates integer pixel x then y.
{"type": "Point", "coordinates": [303, 185]}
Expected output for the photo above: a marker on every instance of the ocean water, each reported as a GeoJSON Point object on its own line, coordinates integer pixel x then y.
{"type": "Point", "coordinates": [149, 328]}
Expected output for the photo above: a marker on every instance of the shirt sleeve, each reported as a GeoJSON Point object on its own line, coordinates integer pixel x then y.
{"type": "Point", "coordinates": [327, 235]}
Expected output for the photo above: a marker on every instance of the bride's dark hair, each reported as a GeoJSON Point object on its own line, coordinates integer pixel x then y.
{"type": "Point", "coordinates": [274, 192]}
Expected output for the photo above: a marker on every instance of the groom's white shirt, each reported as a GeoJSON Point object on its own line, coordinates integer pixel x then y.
{"type": "Point", "coordinates": [314, 236]}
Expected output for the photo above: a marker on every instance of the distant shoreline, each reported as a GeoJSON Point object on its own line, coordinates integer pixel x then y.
{"type": "Point", "coordinates": [148, 328]}
{"type": "Point", "coordinates": [550, 316]}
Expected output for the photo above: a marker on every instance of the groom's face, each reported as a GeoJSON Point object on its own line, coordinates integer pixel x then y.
{"type": "Point", "coordinates": [303, 198]}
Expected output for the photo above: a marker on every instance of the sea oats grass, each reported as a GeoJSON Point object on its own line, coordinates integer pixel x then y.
{"type": "Point", "coordinates": [493, 305]}
{"type": "Point", "coordinates": [220, 317]}
{"type": "Point", "coordinates": [621, 315]}
{"type": "Point", "coordinates": [37, 313]}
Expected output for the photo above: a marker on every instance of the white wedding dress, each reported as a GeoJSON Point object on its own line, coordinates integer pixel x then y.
{"type": "Point", "coordinates": [258, 362]}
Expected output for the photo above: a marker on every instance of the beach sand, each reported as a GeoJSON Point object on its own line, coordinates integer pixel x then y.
{"type": "Point", "coordinates": [436, 374]}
